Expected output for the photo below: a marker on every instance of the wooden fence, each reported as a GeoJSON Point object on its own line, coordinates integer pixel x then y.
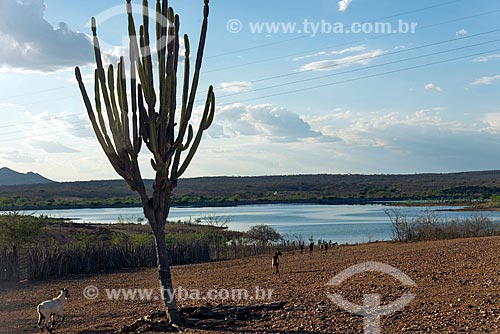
{"type": "Point", "coordinates": [38, 262]}
{"type": "Point", "coordinates": [9, 269]}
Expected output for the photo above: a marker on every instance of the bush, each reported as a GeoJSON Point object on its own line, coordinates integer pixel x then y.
{"type": "Point", "coordinates": [19, 230]}
{"type": "Point", "coordinates": [263, 234]}
{"type": "Point", "coordinates": [430, 226]}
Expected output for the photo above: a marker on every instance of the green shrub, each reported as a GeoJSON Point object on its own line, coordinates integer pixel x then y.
{"type": "Point", "coordinates": [430, 226]}
{"type": "Point", "coordinates": [19, 230]}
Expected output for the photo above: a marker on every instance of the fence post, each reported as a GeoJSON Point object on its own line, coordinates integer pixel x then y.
{"type": "Point", "coordinates": [23, 264]}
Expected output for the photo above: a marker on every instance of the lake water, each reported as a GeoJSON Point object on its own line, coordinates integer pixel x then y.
{"type": "Point", "coordinates": [339, 223]}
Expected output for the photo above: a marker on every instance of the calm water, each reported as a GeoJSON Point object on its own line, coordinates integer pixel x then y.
{"type": "Point", "coordinates": [340, 223]}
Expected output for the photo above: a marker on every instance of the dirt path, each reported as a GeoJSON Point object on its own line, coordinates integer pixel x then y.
{"type": "Point", "coordinates": [457, 291]}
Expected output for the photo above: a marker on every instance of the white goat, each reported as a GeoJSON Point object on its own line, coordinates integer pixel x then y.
{"type": "Point", "coordinates": [50, 310]}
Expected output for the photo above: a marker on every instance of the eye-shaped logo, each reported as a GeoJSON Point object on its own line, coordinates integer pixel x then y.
{"type": "Point", "coordinates": [112, 50]}
{"type": "Point", "coordinates": [371, 310]}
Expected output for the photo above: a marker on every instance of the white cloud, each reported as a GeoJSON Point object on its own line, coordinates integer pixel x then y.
{"type": "Point", "coordinates": [395, 142]}
{"type": "Point", "coordinates": [348, 50]}
{"type": "Point", "coordinates": [333, 64]}
{"type": "Point", "coordinates": [236, 86]}
{"type": "Point", "coordinates": [264, 121]}
{"type": "Point", "coordinates": [30, 42]}
{"type": "Point", "coordinates": [485, 81]}
{"type": "Point", "coordinates": [336, 52]}
{"type": "Point", "coordinates": [15, 156]}
{"type": "Point", "coordinates": [46, 129]}
{"type": "Point", "coordinates": [484, 59]}
{"type": "Point", "coordinates": [361, 142]}
{"type": "Point", "coordinates": [370, 129]}
{"type": "Point", "coordinates": [432, 86]}
{"type": "Point", "coordinates": [492, 122]}
{"type": "Point", "coordinates": [317, 54]}
{"type": "Point", "coordinates": [462, 32]}
{"type": "Point", "coordinates": [344, 4]}
{"type": "Point", "coordinates": [53, 147]}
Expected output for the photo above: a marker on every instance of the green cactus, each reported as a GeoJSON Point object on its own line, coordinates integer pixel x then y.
{"type": "Point", "coordinates": [153, 118]}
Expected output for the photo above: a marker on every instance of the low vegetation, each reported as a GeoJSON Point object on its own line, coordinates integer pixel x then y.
{"type": "Point", "coordinates": [263, 234]}
{"type": "Point", "coordinates": [43, 247]}
{"type": "Point", "coordinates": [430, 226]}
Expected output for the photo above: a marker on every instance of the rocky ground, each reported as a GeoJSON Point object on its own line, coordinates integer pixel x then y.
{"type": "Point", "coordinates": [457, 290]}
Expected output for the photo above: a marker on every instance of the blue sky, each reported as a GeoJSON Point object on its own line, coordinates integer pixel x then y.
{"type": "Point", "coordinates": [439, 118]}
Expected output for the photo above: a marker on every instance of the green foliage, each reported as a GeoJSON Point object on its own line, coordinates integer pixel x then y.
{"type": "Point", "coordinates": [495, 198]}
{"type": "Point", "coordinates": [263, 234]}
{"type": "Point", "coordinates": [141, 238]}
{"type": "Point", "coordinates": [19, 230]}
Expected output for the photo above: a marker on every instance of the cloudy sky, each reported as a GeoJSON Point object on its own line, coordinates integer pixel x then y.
{"type": "Point", "coordinates": [307, 101]}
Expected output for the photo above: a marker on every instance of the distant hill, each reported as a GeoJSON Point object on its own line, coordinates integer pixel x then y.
{"type": "Point", "coordinates": [206, 190]}
{"type": "Point", "coordinates": [9, 177]}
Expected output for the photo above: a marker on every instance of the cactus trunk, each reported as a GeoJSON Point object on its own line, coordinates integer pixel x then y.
{"type": "Point", "coordinates": [165, 275]}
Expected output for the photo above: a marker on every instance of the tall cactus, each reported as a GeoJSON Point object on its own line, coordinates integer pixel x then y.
{"type": "Point", "coordinates": [153, 118]}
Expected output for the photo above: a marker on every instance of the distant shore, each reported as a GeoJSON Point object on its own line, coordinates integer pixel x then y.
{"type": "Point", "coordinates": [465, 206]}
{"type": "Point", "coordinates": [460, 206]}
{"type": "Point", "coordinates": [341, 201]}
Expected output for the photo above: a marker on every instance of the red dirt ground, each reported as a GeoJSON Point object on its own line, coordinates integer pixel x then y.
{"type": "Point", "coordinates": [458, 291]}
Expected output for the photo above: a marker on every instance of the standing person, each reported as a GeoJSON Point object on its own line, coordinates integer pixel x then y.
{"type": "Point", "coordinates": [326, 247]}
{"type": "Point", "coordinates": [302, 248]}
{"type": "Point", "coordinates": [311, 247]}
{"type": "Point", "coordinates": [275, 262]}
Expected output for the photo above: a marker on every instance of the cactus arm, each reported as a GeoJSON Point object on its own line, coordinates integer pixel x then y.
{"type": "Point", "coordinates": [190, 137]}
{"type": "Point", "coordinates": [175, 63]}
{"type": "Point", "coordinates": [88, 105]}
{"type": "Point", "coordinates": [101, 72]}
{"type": "Point", "coordinates": [98, 105]}
{"type": "Point", "coordinates": [161, 46]}
{"type": "Point", "coordinates": [119, 89]}
{"type": "Point", "coordinates": [177, 43]}
{"type": "Point", "coordinates": [116, 125]}
{"type": "Point", "coordinates": [114, 107]}
{"type": "Point", "coordinates": [178, 152]}
{"type": "Point", "coordinates": [166, 114]}
{"type": "Point", "coordinates": [134, 59]}
{"type": "Point", "coordinates": [199, 58]}
{"type": "Point", "coordinates": [137, 141]}
{"type": "Point", "coordinates": [123, 101]}
{"type": "Point", "coordinates": [196, 77]}
{"type": "Point", "coordinates": [183, 121]}
{"type": "Point", "coordinates": [185, 89]}
{"type": "Point", "coordinates": [171, 90]}
{"type": "Point", "coordinates": [205, 123]}
{"type": "Point", "coordinates": [146, 54]}
{"type": "Point", "coordinates": [109, 96]}
{"type": "Point", "coordinates": [143, 118]}
{"type": "Point", "coordinates": [107, 146]}
{"type": "Point", "coordinates": [142, 68]}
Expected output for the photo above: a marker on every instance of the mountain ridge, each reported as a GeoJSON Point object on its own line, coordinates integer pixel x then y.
{"type": "Point", "coordinates": [10, 177]}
